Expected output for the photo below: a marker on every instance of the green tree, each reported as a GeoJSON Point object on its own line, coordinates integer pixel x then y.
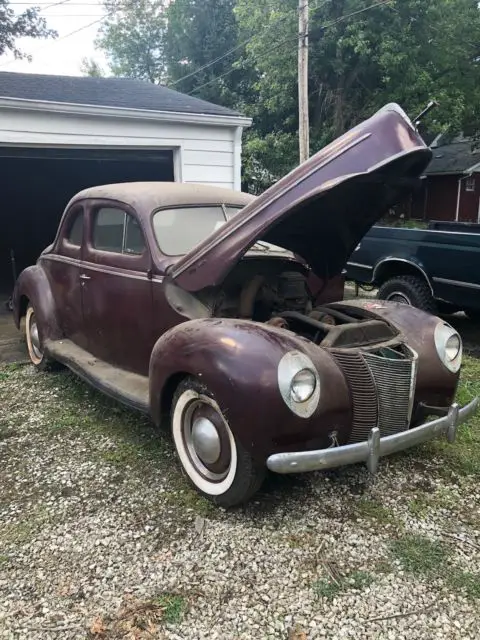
{"type": "Point", "coordinates": [407, 51]}
{"type": "Point", "coordinates": [199, 32]}
{"type": "Point", "coordinates": [14, 25]}
{"type": "Point", "coordinates": [363, 54]}
{"type": "Point", "coordinates": [90, 67]}
{"type": "Point", "coordinates": [133, 37]}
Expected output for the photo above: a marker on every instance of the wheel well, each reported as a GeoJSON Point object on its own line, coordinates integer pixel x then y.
{"type": "Point", "coordinates": [168, 391]}
{"type": "Point", "coordinates": [393, 268]}
{"type": "Point", "coordinates": [22, 307]}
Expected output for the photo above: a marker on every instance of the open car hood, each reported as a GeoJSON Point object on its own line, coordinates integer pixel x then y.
{"type": "Point", "coordinates": [323, 208]}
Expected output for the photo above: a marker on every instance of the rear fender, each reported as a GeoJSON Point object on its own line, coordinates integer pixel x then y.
{"type": "Point", "coordinates": [238, 362]}
{"type": "Point", "coordinates": [33, 287]}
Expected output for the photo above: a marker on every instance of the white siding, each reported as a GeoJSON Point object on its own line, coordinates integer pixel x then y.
{"type": "Point", "coordinates": [203, 153]}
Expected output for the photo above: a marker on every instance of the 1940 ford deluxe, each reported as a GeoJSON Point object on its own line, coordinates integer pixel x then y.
{"type": "Point", "coordinates": [196, 303]}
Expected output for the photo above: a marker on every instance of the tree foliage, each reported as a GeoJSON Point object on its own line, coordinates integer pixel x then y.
{"type": "Point", "coordinates": [133, 38]}
{"type": "Point", "coordinates": [90, 67]}
{"type": "Point", "coordinates": [27, 24]}
{"type": "Point", "coordinates": [363, 54]}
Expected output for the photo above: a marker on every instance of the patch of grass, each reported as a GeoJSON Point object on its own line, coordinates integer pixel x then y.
{"type": "Point", "coordinates": [298, 540]}
{"type": "Point", "coordinates": [173, 607]}
{"type": "Point", "coordinates": [22, 532]}
{"type": "Point", "coordinates": [464, 581]}
{"type": "Point", "coordinates": [419, 554]}
{"type": "Point", "coordinates": [442, 498]}
{"type": "Point", "coordinates": [3, 560]}
{"type": "Point", "coordinates": [329, 588]}
{"type": "Point", "coordinates": [419, 506]}
{"type": "Point", "coordinates": [369, 508]}
{"type": "Point", "coordinates": [463, 457]}
{"type": "Point", "coordinates": [125, 453]}
{"type": "Point", "coordinates": [190, 500]}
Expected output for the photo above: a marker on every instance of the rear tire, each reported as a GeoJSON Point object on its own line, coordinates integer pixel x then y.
{"type": "Point", "coordinates": [411, 290]}
{"type": "Point", "coordinates": [215, 462]}
{"type": "Point", "coordinates": [35, 343]}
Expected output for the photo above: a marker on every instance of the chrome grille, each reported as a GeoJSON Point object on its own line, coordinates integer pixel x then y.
{"type": "Point", "coordinates": [362, 389]}
{"type": "Point", "coordinates": [394, 380]}
{"type": "Point", "coordinates": [381, 391]}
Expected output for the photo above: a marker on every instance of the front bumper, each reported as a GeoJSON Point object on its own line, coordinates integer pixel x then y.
{"type": "Point", "coordinates": [375, 447]}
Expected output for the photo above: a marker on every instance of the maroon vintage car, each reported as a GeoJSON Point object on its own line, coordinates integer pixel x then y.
{"type": "Point", "coordinates": [194, 303]}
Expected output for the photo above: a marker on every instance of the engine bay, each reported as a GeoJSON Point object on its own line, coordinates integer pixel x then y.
{"type": "Point", "coordinates": [276, 292]}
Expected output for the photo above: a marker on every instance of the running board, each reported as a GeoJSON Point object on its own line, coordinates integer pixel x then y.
{"type": "Point", "coordinates": [129, 388]}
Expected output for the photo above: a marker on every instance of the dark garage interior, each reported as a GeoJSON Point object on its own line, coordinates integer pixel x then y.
{"type": "Point", "coordinates": [36, 185]}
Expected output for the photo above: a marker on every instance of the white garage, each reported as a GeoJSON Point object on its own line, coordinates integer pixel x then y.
{"type": "Point", "coordinates": [61, 134]}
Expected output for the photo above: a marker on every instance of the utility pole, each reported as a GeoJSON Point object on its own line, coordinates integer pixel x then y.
{"type": "Point", "coordinates": [303, 121]}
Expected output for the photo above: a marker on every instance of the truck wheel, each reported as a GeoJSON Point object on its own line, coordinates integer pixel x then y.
{"type": "Point", "coordinates": [410, 290]}
{"type": "Point", "coordinates": [215, 462]}
{"type": "Point", "coordinates": [34, 342]}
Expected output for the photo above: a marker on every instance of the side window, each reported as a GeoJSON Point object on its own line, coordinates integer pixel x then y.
{"type": "Point", "coordinates": [75, 228]}
{"type": "Point", "coordinates": [133, 242]}
{"type": "Point", "coordinates": [117, 231]}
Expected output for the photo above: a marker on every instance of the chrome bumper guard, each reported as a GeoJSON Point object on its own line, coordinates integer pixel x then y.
{"type": "Point", "coordinates": [375, 447]}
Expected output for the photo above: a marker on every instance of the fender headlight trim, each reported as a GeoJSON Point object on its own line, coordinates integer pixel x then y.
{"type": "Point", "coordinates": [299, 383]}
{"type": "Point", "coordinates": [449, 346]}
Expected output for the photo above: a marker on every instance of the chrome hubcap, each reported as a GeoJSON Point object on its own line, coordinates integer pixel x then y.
{"type": "Point", "coordinates": [205, 440]}
{"type": "Point", "coordinates": [35, 339]}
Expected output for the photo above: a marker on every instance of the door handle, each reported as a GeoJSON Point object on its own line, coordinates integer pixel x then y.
{"type": "Point", "coordinates": [84, 277]}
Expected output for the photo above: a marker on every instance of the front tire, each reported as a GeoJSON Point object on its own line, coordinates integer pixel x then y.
{"type": "Point", "coordinates": [411, 290]}
{"type": "Point", "coordinates": [215, 462]}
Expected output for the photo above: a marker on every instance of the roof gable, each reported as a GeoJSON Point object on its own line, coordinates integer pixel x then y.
{"type": "Point", "coordinates": [123, 93]}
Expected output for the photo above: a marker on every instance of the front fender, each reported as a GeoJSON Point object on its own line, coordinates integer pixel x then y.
{"type": "Point", "coordinates": [238, 361]}
{"type": "Point", "coordinates": [435, 384]}
{"type": "Point", "coordinates": [33, 285]}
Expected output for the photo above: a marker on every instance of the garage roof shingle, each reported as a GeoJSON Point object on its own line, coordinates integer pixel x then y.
{"type": "Point", "coordinates": [124, 93]}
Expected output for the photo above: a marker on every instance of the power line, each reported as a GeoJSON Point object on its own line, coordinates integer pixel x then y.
{"type": "Point", "coordinates": [67, 35]}
{"type": "Point", "coordinates": [54, 4]}
{"type": "Point", "coordinates": [44, 5]}
{"type": "Point", "coordinates": [325, 26]}
{"type": "Point", "coordinates": [238, 46]}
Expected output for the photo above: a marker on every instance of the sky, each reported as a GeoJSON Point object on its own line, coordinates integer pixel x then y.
{"type": "Point", "coordinates": [64, 55]}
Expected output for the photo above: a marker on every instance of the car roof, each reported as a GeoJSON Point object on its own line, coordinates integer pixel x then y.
{"type": "Point", "coordinates": [146, 196]}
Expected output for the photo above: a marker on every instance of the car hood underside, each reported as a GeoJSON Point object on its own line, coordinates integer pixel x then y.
{"type": "Point", "coordinates": [322, 209]}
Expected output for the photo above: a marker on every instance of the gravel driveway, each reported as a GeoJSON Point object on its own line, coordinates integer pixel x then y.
{"type": "Point", "coordinates": [101, 538]}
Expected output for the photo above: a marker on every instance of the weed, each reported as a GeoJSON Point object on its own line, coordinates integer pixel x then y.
{"type": "Point", "coordinates": [173, 607]}
{"type": "Point", "coordinates": [368, 508]}
{"type": "Point", "coordinates": [329, 588]}
{"type": "Point", "coordinates": [420, 555]}
{"type": "Point", "coordinates": [189, 499]}
{"type": "Point", "coordinates": [464, 581]}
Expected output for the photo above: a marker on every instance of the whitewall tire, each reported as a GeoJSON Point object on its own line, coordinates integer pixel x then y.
{"type": "Point", "coordinates": [34, 345]}
{"type": "Point", "coordinates": [212, 458]}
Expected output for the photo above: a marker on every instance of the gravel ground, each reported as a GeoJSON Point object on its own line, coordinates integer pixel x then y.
{"type": "Point", "coordinates": [101, 538]}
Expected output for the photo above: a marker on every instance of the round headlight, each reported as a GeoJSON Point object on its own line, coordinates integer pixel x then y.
{"type": "Point", "coordinates": [449, 346]}
{"type": "Point", "coordinates": [299, 383]}
{"type": "Point", "coordinates": [453, 346]}
{"type": "Point", "coordinates": [303, 385]}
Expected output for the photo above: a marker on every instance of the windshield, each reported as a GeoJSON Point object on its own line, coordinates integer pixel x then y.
{"type": "Point", "coordinates": [179, 230]}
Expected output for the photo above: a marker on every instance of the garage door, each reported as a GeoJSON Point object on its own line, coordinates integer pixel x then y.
{"type": "Point", "coordinates": [36, 184]}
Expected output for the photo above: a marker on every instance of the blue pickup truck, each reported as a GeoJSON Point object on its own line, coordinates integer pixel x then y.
{"type": "Point", "coordinates": [436, 269]}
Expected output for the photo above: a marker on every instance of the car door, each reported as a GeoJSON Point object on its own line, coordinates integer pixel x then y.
{"type": "Point", "coordinates": [117, 287]}
{"type": "Point", "coordinates": [63, 270]}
